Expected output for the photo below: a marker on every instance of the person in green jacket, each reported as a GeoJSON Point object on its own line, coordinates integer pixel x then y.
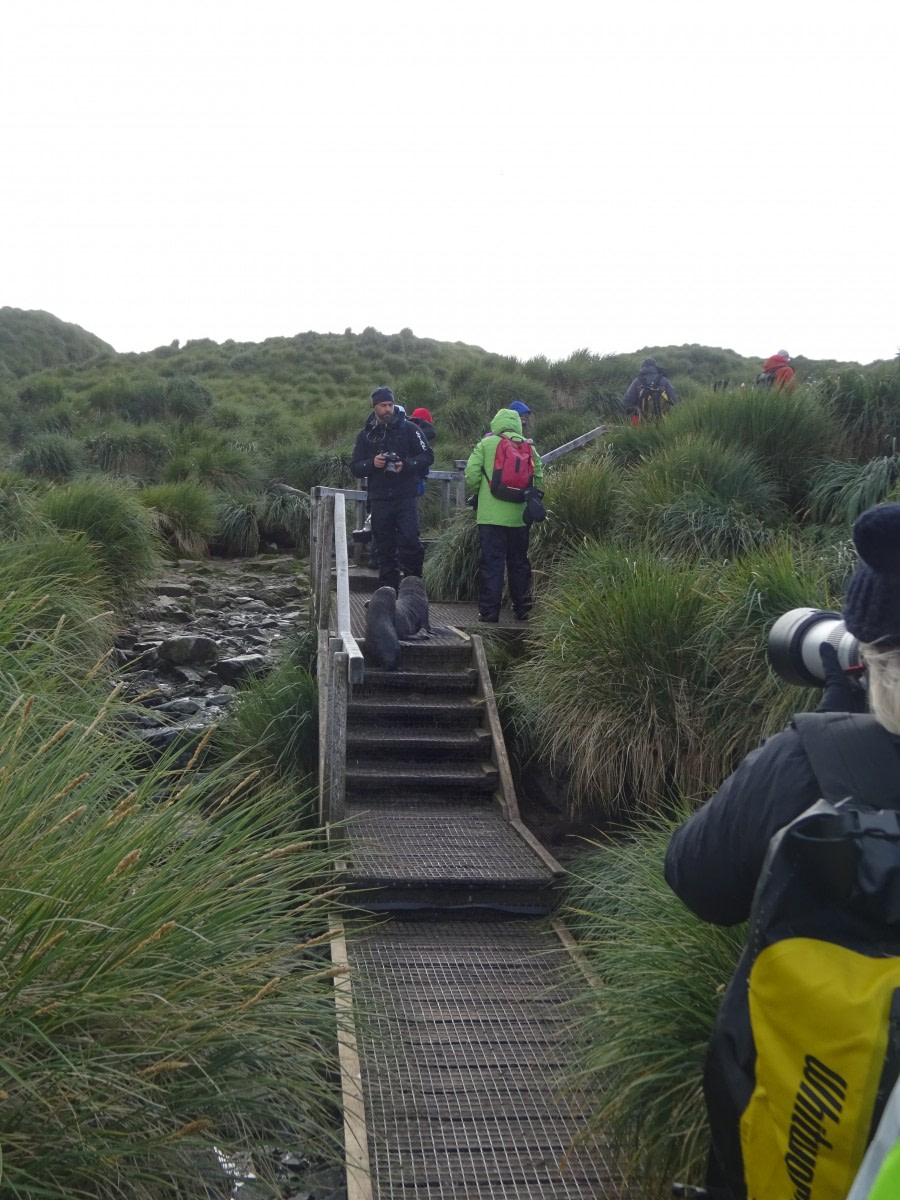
{"type": "Point", "coordinates": [502, 531]}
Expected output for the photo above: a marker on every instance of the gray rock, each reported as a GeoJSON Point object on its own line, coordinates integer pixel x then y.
{"type": "Point", "coordinates": [232, 669]}
{"type": "Point", "coordinates": [171, 589]}
{"type": "Point", "coordinates": [192, 648]}
{"type": "Point", "coordinates": [181, 705]}
{"type": "Point", "coordinates": [188, 675]}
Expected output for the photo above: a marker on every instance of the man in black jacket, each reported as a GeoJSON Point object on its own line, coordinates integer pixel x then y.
{"type": "Point", "coordinates": [392, 455]}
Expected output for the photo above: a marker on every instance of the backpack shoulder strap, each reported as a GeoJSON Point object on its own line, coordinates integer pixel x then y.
{"type": "Point", "coordinates": [851, 755]}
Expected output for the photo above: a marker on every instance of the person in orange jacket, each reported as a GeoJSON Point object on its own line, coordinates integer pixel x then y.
{"type": "Point", "coordinates": [777, 373]}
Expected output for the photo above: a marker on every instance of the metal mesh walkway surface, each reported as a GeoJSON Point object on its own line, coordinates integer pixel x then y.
{"type": "Point", "coordinates": [468, 1053]}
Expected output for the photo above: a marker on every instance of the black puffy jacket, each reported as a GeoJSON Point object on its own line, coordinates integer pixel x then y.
{"type": "Point", "coordinates": [405, 439]}
{"type": "Point", "coordinates": [714, 860]}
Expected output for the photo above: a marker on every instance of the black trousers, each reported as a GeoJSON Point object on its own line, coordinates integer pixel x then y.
{"type": "Point", "coordinates": [504, 547]}
{"type": "Point", "coordinates": [395, 524]}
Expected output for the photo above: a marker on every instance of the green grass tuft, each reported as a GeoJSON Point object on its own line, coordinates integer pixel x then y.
{"type": "Point", "coordinates": [660, 972]}
{"type": "Point", "coordinates": [186, 515]}
{"type": "Point", "coordinates": [113, 521]}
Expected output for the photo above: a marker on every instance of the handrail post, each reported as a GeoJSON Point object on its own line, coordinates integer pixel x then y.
{"type": "Point", "coordinates": [325, 676]}
{"type": "Point", "coordinates": [323, 583]}
{"type": "Point", "coordinates": [338, 694]}
{"type": "Point", "coordinates": [459, 464]}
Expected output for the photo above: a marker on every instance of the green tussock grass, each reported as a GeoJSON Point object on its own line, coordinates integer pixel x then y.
{"type": "Point", "coordinates": [647, 1022]}
{"type": "Point", "coordinates": [284, 519]}
{"type": "Point", "coordinates": [612, 689]}
{"type": "Point", "coordinates": [583, 501]}
{"type": "Point", "coordinates": [451, 564]}
{"type": "Point", "coordinates": [185, 515]}
{"type": "Point", "coordinates": [696, 496]}
{"type": "Point", "coordinates": [791, 434]}
{"type": "Point", "coordinates": [238, 528]}
{"type": "Point", "coordinates": [117, 526]}
{"type": "Point", "coordinates": [166, 983]}
{"type": "Point", "coordinates": [841, 491]}
{"type": "Point", "coordinates": [50, 456]}
{"type": "Point", "coordinates": [750, 702]}
{"type": "Point", "coordinates": [275, 721]}
{"type": "Point", "coordinates": [162, 993]}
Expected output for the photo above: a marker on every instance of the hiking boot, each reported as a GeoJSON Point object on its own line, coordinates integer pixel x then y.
{"type": "Point", "coordinates": [521, 616]}
{"type": "Point", "coordinates": [489, 620]}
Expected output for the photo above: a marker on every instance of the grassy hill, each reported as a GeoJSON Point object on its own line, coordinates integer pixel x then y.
{"type": "Point", "coordinates": [34, 341]}
{"type": "Point", "coordinates": [306, 394]}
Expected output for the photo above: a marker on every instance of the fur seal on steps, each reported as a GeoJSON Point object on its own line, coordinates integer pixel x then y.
{"type": "Point", "coordinates": [412, 608]}
{"type": "Point", "coordinates": [382, 644]}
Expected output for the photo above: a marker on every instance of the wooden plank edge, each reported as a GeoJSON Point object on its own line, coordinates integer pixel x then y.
{"type": "Point", "coordinates": [356, 1134]}
{"type": "Point", "coordinates": [508, 799]}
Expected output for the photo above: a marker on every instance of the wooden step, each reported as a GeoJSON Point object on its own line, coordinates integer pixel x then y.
{"type": "Point", "coordinates": [378, 680]}
{"type": "Point", "coordinates": [392, 778]}
{"type": "Point", "coordinates": [399, 742]}
{"type": "Point", "coordinates": [414, 711]}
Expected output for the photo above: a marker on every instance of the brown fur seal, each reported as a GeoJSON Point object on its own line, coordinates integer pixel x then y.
{"type": "Point", "coordinates": [382, 645]}
{"type": "Point", "coordinates": [412, 607]}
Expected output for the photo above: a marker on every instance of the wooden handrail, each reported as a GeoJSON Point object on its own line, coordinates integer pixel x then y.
{"type": "Point", "coordinates": [355, 665]}
{"type": "Point", "coordinates": [575, 444]}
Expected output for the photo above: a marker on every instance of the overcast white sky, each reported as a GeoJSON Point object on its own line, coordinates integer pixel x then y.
{"type": "Point", "coordinates": [530, 179]}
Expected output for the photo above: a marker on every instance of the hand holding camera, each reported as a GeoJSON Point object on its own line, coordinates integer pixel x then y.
{"type": "Point", "coordinates": [392, 462]}
{"type": "Point", "coordinates": [813, 646]}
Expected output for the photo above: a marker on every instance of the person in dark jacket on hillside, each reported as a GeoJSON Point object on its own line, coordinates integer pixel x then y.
{"type": "Point", "coordinates": [501, 525]}
{"type": "Point", "coordinates": [392, 455]}
{"type": "Point", "coordinates": [650, 394]}
{"type": "Point", "coordinates": [715, 860]}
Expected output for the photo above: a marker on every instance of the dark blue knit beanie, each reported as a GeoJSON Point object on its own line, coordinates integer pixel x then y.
{"type": "Point", "coordinates": [381, 394]}
{"type": "Point", "coordinates": [520, 407]}
{"type": "Point", "coordinates": [872, 607]}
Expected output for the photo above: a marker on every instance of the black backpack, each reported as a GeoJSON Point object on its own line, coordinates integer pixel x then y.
{"type": "Point", "coordinates": [653, 400]}
{"type": "Point", "coordinates": [806, 1047]}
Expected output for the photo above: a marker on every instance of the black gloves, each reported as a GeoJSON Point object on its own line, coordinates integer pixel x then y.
{"type": "Point", "coordinates": [841, 693]}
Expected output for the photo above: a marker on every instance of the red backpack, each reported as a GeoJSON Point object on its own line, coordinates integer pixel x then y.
{"type": "Point", "coordinates": [513, 469]}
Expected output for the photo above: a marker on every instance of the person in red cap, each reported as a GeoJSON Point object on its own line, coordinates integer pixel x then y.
{"type": "Point", "coordinates": [422, 418]}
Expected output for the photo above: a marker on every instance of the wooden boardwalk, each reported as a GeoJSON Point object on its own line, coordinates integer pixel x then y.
{"type": "Point", "coordinates": [468, 1055]}
{"type": "Point", "coordinates": [462, 1062]}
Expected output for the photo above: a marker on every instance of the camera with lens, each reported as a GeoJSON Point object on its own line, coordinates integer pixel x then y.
{"type": "Point", "coordinates": [795, 641]}
{"type": "Point", "coordinates": [393, 461]}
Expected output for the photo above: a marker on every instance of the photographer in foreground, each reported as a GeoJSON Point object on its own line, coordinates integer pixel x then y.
{"type": "Point", "coordinates": [393, 456]}
{"type": "Point", "coordinates": [718, 857]}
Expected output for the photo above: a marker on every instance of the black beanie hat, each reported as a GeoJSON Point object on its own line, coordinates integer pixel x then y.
{"type": "Point", "coordinates": [872, 607]}
{"type": "Point", "coordinates": [381, 394]}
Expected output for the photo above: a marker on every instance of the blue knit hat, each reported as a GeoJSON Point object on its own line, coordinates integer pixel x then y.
{"type": "Point", "coordinates": [381, 394]}
{"type": "Point", "coordinates": [872, 607]}
{"type": "Point", "coordinates": [520, 407]}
